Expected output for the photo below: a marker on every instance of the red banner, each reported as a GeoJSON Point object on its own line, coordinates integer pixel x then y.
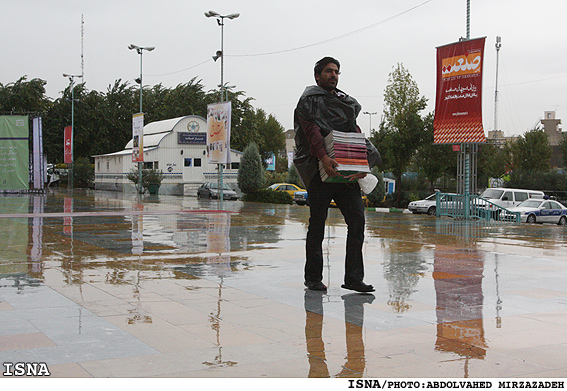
{"type": "Point", "coordinates": [458, 105]}
{"type": "Point", "coordinates": [68, 144]}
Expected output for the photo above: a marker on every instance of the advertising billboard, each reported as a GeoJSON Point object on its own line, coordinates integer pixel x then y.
{"type": "Point", "coordinates": [218, 132]}
{"type": "Point", "coordinates": [458, 104]}
{"type": "Point", "coordinates": [138, 137]}
{"type": "Point", "coordinates": [14, 152]}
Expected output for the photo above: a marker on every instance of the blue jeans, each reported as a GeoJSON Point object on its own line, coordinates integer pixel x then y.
{"type": "Point", "coordinates": [348, 198]}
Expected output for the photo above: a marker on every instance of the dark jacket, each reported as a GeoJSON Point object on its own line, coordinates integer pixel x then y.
{"type": "Point", "coordinates": [317, 113]}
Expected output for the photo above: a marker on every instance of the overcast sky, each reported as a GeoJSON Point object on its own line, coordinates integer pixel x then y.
{"type": "Point", "coordinates": [271, 48]}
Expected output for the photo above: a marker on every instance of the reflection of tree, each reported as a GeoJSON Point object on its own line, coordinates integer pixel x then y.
{"type": "Point", "coordinates": [458, 277]}
{"type": "Point", "coordinates": [403, 271]}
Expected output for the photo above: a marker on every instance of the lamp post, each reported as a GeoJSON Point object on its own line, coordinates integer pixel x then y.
{"type": "Point", "coordinates": [72, 81]}
{"type": "Point", "coordinates": [370, 115]}
{"type": "Point", "coordinates": [220, 54]}
{"type": "Point", "coordinates": [139, 50]}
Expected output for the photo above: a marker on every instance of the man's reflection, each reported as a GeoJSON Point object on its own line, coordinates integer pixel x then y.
{"type": "Point", "coordinates": [354, 320]}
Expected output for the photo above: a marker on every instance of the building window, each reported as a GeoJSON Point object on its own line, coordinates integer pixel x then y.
{"type": "Point", "coordinates": [235, 166]}
{"type": "Point", "coordinates": [187, 162]}
{"type": "Point", "coordinates": [197, 162]}
{"type": "Point", "coordinates": [148, 165]}
{"type": "Point", "coordinates": [107, 166]}
{"type": "Point", "coordinates": [156, 165]}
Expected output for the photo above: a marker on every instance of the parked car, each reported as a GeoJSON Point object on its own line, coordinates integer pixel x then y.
{"type": "Point", "coordinates": [301, 198]}
{"type": "Point", "coordinates": [211, 190]}
{"type": "Point", "coordinates": [365, 201]}
{"type": "Point", "coordinates": [541, 211]}
{"type": "Point", "coordinates": [427, 205]}
{"type": "Point", "coordinates": [287, 187]}
{"type": "Point", "coordinates": [508, 198]}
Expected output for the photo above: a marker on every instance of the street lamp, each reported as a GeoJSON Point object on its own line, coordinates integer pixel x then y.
{"type": "Point", "coordinates": [220, 54]}
{"type": "Point", "coordinates": [72, 81]}
{"type": "Point", "coordinates": [370, 114]}
{"type": "Point", "coordinates": [139, 50]}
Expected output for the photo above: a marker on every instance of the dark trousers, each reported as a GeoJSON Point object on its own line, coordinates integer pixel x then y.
{"type": "Point", "coordinates": [348, 198]}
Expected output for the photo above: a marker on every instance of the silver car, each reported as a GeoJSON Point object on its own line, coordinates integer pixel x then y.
{"type": "Point", "coordinates": [210, 190]}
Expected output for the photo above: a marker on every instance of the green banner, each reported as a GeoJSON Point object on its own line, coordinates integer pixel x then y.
{"type": "Point", "coordinates": [14, 153]}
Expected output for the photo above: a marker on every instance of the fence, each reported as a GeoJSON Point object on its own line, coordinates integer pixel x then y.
{"type": "Point", "coordinates": [470, 207]}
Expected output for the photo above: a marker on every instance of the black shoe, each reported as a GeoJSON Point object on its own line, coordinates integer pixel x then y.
{"type": "Point", "coordinates": [359, 287]}
{"type": "Point", "coordinates": [315, 285]}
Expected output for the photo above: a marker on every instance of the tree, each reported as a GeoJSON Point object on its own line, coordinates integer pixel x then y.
{"type": "Point", "coordinates": [83, 173]}
{"type": "Point", "coordinates": [149, 177]}
{"type": "Point", "coordinates": [531, 152]}
{"type": "Point", "coordinates": [22, 96]}
{"type": "Point", "coordinates": [434, 160]}
{"type": "Point", "coordinates": [492, 163]}
{"type": "Point", "coordinates": [402, 129]}
{"type": "Point", "coordinates": [563, 149]}
{"type": "Point", "coordinates": [251, 171]}
{"type": "Point", "coordinates": [376, 197]}
{"type": "Point", "coordinates": [103, 120]}
{"type": "Point", "coordinates": [293, 176]}
{"type": "Point", "coordinates": [271, 134]}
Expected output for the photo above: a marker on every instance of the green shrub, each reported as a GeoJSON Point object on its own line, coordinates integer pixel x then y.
{"type": "Point", "coordinates": [269, 196]}
{"type": "Point", "coordinates": [83, 173]}
{"type": "Point", "coordinates": [251, 172]}
{"type": "Point", "coordinates": [149, 177]}
{"type": "Point", "coordinates": [271, 177]}
{"type": "Point", "coordinates": [376, 197]}
{"type": "Point", "coordinates": [293, 176]}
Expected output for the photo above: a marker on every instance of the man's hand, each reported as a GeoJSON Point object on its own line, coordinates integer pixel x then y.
{"type": "Point", "coordinates": [354, 177]}
{"type": "Point", "coordinates": [329, 165]}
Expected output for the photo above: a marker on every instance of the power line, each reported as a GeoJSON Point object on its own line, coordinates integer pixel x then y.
{"type": "Point", "coordinates": [307, 46]}
{"type": "Point", "coordinates": [335, 38]}
{"type": "Point", "coordinates": [183, 70]}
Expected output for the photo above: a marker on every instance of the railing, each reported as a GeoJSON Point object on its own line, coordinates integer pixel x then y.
{"type": "Point", "coordinates": [468, 207]}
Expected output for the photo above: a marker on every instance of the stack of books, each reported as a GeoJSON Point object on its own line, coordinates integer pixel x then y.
{"type": "Point", "coordinates": [349, 150]}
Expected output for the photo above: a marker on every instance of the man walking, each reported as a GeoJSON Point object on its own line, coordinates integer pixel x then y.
{"type": "Point", "coordinates": [321, 109]}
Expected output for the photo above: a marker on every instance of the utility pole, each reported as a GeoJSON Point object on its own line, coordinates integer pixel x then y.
{"type": "Point", "coordinates": [498, 46]}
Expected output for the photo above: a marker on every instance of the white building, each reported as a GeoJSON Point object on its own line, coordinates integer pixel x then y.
{"type": "Point", "coordinates": [175, 146]}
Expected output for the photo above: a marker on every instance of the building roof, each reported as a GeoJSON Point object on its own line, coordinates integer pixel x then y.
{"type": "Point", "coordinates": [166, 125]}
{"type": "Point", "coordinates": [123, 152]}
{"type": "Point", "coordinates": [154, 132]}
{"type": "Point", "coordinates": [150, 140]}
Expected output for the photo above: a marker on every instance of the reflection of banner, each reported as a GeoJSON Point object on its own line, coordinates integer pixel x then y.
{"type": "Point", "coordinates": [218, 233]}
{"type": "Point", "coordinates": [68, 220]}
{"type": "Point", "coordinates": [14, 236]}
{"type": "Point", "coordinates": [458, 105]}
{"type": "Point", "coordinates": [14, 153]}
{"type": "Point", "coordinates": [218, 132]}
{"type": "Point", "coordinates": [138, 137]}
{"type": "Point", "coordinates": [68, 144]}
{"type": "Point", "coordinates": [138, 230]}
{"type": "Point", "coordinates": [457, 276]}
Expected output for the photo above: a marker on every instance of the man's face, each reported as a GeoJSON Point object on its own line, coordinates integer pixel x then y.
{"type": "Point", "coordinates": [329, 77]}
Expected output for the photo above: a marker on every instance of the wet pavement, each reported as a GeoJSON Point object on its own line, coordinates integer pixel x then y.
{"type": "Point", "coordinates": [101, 284]}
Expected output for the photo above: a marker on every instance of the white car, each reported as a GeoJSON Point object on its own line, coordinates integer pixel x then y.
{"type": "Point", "coordinates": [541, 211]}
{"type": "Point", "coordinates": [426, 205]}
